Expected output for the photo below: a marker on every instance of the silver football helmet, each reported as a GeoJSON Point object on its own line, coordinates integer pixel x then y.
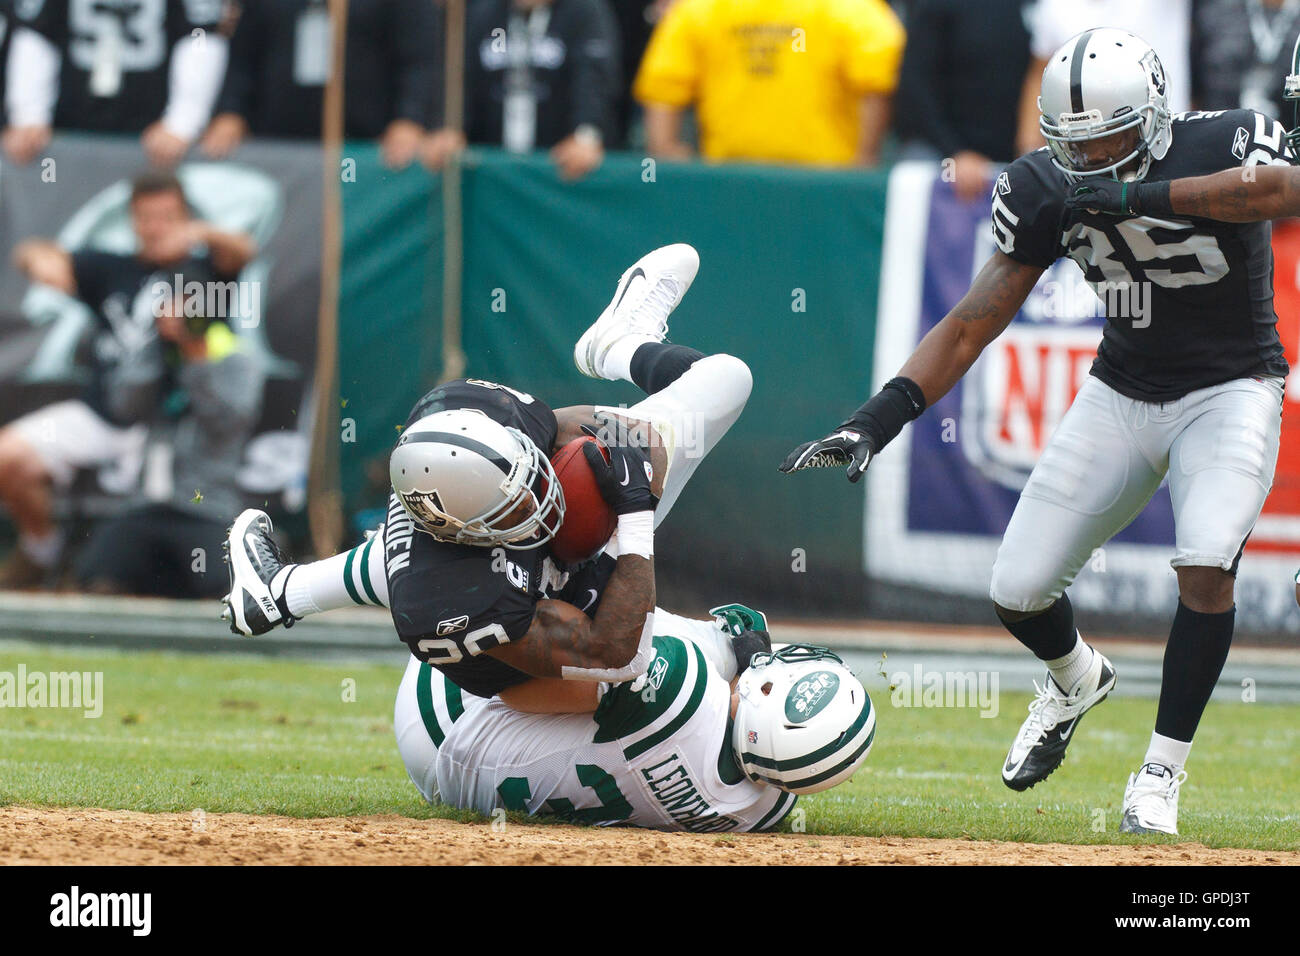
{"type": "Point", "coordinates": [467, 479]}
{"type": "Point", "coordinates": [1100, 84]}
{"type": "Point", "coordinates": [803, 723]}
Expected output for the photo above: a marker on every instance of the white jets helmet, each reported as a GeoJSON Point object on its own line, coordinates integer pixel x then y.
{"type": "Point", "coordinates": [1101, 83]}
{"type": "Point", "coordinates": [804, 723]}
{"type": "Point", "coordinates": [468, 479]}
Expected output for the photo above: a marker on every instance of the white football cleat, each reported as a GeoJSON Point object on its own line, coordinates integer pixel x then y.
{"type": "Point", "coordinates": [646, 295]}
{"type": "Point", "coordinates": [1151, 800]}
{"type": "Point", "coordinates": [256, 601]}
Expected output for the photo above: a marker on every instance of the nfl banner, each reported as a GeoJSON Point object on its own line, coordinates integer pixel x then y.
{"type": "Point", "coordinates": [941, 495]}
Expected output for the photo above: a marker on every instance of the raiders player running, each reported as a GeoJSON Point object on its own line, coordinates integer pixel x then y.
{"type": "Point", "coordinates": [464, 560]}
{"type": "Point", "coordinates": [1193, 391]}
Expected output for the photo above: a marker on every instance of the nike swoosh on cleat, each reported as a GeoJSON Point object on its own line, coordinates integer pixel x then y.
{"type": "Point", "coordinates": [250, 540]}
{"type": "Point", "coordinates": [638, 271]}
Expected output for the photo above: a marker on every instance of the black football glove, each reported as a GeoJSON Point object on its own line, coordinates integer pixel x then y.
{"type": "Point", "coordinates": [1098, 194]}
{"type": "Point", "coordinates": [624, 480]}
{"type": "Point", "coordinates": [847, 446]}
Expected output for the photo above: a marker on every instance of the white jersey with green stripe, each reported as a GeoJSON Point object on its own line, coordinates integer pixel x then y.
{"type": "Point", "coordinates": [656, 753]}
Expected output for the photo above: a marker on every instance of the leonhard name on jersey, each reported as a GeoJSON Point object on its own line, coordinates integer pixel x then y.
{"type": "Point", "coordinates": [671, 785]}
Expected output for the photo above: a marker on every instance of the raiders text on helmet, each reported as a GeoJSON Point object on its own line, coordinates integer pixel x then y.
{"type": "Point", "coordinates": [804, 723]}
{"type": "Point", "coordinates": [467, 479]}
{"type": "Point", "coordinates": [1101, 83]}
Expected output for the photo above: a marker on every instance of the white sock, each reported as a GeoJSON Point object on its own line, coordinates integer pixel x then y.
{"type": "Point", "coordinates": [43, 550]}
{"type": "Point", "coordinates": [1068, 670]}
{"type": "Point", "coordinates": [349, 579]}
{"type": "Point", "coordinates": [617, 364]}
{"type": "Point", "coordinates": [1167, 751]}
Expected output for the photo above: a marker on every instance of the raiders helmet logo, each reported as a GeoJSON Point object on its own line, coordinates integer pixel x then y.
{"type": "Point", "coordinates": [428, 506]}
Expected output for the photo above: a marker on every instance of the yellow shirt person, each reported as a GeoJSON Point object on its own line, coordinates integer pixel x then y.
{"type": "Point", "coordinates": [780, 81]}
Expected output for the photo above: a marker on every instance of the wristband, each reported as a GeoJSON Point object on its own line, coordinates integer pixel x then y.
{"type": "Point", "coordinates": [885, 413]}
{"type": "Point", "coordinates": [1150, 199]}
{"type": "Point", "coordinates": [636, 534]}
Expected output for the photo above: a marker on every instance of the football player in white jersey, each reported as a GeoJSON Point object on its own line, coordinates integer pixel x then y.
{"type": "Point", "coordinates": [700, 742]}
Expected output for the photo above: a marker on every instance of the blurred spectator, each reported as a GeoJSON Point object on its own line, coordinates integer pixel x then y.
{"type": "Point", "coordinates": [636, 21]}
{"type": "Point", "coordinates": [1242, 54]}
{"type": "Point", "coordinates": [1165, 24]}
{"type": "Point", "coordinates": [45, 448]}
{"type": "Point", "coordinates": [200, 395]}
{"type": "Point", "coordinates": [960, 86]}
{"type": "Point", "coordinates": [783, 81]}
{"type": "Point", "coordinates": [121, 66]}
{"type": "Point", "coordinates": [539, 74]}
{"type": "Point", "coordinates": [280, 60]}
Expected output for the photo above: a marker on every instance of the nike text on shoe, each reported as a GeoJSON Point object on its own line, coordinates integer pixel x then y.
{"type": "Point", "coordinates": [1040, 745]}
{"type": "Point", "coordinates": [646, 295]}
{"type": "Point", "coordinates": [1151, 800]}
{"type": "Point", "coordinates": [256, 601]}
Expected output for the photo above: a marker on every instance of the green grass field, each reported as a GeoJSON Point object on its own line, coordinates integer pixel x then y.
{"type": "Point", "coordinates": [245, 734]}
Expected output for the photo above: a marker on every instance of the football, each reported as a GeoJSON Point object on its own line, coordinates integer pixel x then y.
{"type": "Point", "coordinates": [588, 519]}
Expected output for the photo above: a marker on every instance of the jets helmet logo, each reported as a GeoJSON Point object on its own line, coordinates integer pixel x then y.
{"type": "Point", "coordinates": [810, 695]}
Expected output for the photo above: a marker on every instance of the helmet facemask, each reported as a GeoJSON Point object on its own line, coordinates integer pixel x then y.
{"type": "Point", "coordinates": [1070, 138]}
{"type": "Point", "coordinates": [1291, 93]}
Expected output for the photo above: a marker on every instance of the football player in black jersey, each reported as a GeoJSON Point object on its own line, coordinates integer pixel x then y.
{"type": "Point", "coordinates": [1188, 387]}
{"type": "Point", "coordinates": [464, 561]}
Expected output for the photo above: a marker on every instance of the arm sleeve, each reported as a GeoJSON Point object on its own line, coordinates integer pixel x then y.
{"type": "Point", "coordinates": [197, 67]}
{"type": "Point", "coordinates": [417, 42]}
{"type": "Point", "coordinates": [1027, 215]}
{"type": "Point", "coordinates": [669, 74]}
{"type": "Point", "coordinates": [873, 38]}
{"type": "Point", "coordinates": [919, 90]}
{"type": "Point", "coordinates": [1045, 34]}
{"type": "Point", "coordinates": [32, 78]}
{"type": "Point", "coordinates": [596, 70]}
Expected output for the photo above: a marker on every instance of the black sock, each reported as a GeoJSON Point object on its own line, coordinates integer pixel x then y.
{"type": "Point", "coordinates": [656, 365]}
{"type": "Point", "coordinates": [1049, 634]}
{"type": "Point", "coordinates": [1194, 657]}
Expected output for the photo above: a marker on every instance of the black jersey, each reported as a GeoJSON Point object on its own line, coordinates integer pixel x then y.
{"type": "Point", "coordinates": [1189, 301]}
{"type": "Point", "coordinates": [451, 602]}
{"type": "Point", "coordinates": [116, 55]}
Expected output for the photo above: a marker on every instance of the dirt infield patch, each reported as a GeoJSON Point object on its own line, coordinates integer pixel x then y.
{"type": "Point", "coordinates": [89, 837]}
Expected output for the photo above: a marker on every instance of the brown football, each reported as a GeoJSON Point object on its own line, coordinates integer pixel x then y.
{"type": "Point", "coordinates": [588, 519]}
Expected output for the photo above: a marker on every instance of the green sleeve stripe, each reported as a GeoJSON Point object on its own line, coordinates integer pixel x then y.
{"type": "Point", "coordinates": [455, 702]}
{"type": "Point", "coordinates": [365, 572]}
{"type": "Point", "coordinates": [686, 713]}
{"type": "Point", "coordinates": [347, 578]}
{"type": "Point", "coordinates": [780, 810]}
{"type": "Point", "coordinates": [424, 697]}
